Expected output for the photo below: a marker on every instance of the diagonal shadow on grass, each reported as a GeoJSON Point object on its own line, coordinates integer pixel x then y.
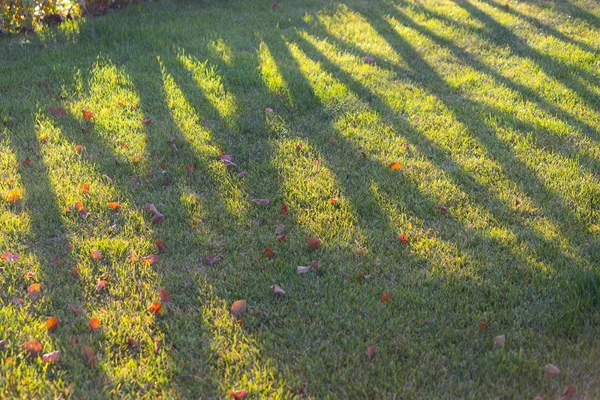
{"type": "Point", "coordinates": [152, 84]}
{"type": "Point", "coordinates": [541, 136]}
{"type": "Point", "coordinates": [47, 240]}
{"type": "Point", "coordinates": [460, 177]}
{"type": "Point", "coordinates": [570, 9]}
{"type": "Point", "coordinates": [499, 35]}
{"type": "Point", "coordinates": [574, 121]}
{"type": "Point", "coordinates": [516, 170]}
{"type": "Point", "coordinates": [535, 22]}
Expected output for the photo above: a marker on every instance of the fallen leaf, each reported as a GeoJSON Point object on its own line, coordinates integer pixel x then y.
{"type": "Point", "coordinates": [242, 173]}
{"type": "Point", "coordinates": [131, 342]}
{"type": "Point", "coordinates": [569, 391]}
{"type": "Point", "coordinates": [147, 121]}
{"type": "Point", "coordinates": [314, 242]}
{"type": "Point", "coordinates": [94, 323]}
{"type": "Point", "coordinates": [52, 323]}
{"type": "Point", "coordinates": [278, 290]}
{"type": "Point", "coordinates": [227, 159]}
{"type": "Point", "coordinates": [268, 252]}
{"type": "Point", "coordinates": [210, 260]}
{"type": "Point", "coordinates": [299, 146]}
{"type": "Point", "coordinates": [238, 307]}
{"type": "Point", "coordinates": [279, 229]}
{"type": "Point", "coordinates": [386, 297]}
{"type": "Point", "coordinates": [74, 272]}
{"type": "Point", "coordinates": [482, 326]}
{"type": "Point", "coordinates": [157, 219]}
{"type": "Point", "coordinates": [33, 347]}
{"type": "Point", "coordinates": [29, 274]}
{"type": "Point", "coordinates": [268, 110]}
{"type": "Point", "coordinates": [136, 158]}
{"type": "Point", "coordinates": [155, 308]}
{"type": "Point", "coordinates": [150, 259]}
{"type": "Point", "coordinates": [96, 255]}
{"type": "Point", "coordinates": [164, 296]}
{"type": "Point", "coordinates": [238, 394]}
{"type": "Point", "coordinates": [85, 187]}
{"type": "Point", "coordinates": [14, 195]}
{"type": "Point", "coordinates": [34, 290]}
{"type": "Point", "coordinates": [43, 137]}
{"type": "Point", "coordinates": [151, 208]}
{"type": "Point", "coordinates": [506, 7]}
{"type": "Point", "coordinates": [51, 357]}
{"type": "Point", "coordinates": [161, 246]}
{"type": "Point", "coordinates": [499, 340]}
{"type": "Point", "coordinates": [88, 355]}
{"type": "Point", "coordinates": [262, 202]}
{"type": "Point", "coordinates": [370, 352]}
{"type": "Point", "coordinates": [27, 162]}
{"type": "Point", "coordinates": [369, 59]}
{"type": "Point", "coordinates": [395, 166]}
{"type": "Point", "coordinates": [403, 239]}
{"type": "Point", "coordinates": [363, 154]}
{"type": "Point", "coordinates": [551, 371]}
{"type": "Point", "coordinates": [364, 276]}
{"type": "Point", "coordinates": [83, 213]}
{"type": "Point", "coordinates": [87, 114]}
{"type": "Point", "coordinates": [303, 270]}
{"type": "Point", "coordinates": [283, 209]}
{"type": "Point", "coordinates": [538, 398]}
{"type": "Point", "coordinates": [333, 201]}
{"type": "Point", "coordinates": [100, 286]}
{"type": "Point", "coordinates": [281, 238]}
{"type": "Point", "coordinates": [443, 209]}
{"type": "Point", "coordinates": [10, 257]}
{"type": "Point", "coordinates": [189, 168]}
{"type": "Point", "coordinates": [114, 205]}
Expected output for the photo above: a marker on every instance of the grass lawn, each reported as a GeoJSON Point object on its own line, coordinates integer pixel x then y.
{"type": "Point", "coordinates": [493, 114]}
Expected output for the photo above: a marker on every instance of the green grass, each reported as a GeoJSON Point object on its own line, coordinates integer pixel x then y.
{"type": "Point", "coordinates": [493, 113]}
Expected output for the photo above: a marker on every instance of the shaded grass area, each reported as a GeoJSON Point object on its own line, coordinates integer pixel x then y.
{"type": "Point", "coordinates": [493, 114]}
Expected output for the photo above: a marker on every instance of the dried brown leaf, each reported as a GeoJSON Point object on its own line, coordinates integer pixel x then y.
{"type": "Point", "coordinates": [238, 307]}
{"type": "Point", "coordinates": [370, 352]}
{"type": "Point", "coordinates": [52, 357]}
{"type": "Point", "coordinates": [278, 290]}
{"type": "Point", "coordinates": [314, 242]}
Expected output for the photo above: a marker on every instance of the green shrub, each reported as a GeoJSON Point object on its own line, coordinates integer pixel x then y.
{"type": "Point", "coordinates": [29, 15]}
